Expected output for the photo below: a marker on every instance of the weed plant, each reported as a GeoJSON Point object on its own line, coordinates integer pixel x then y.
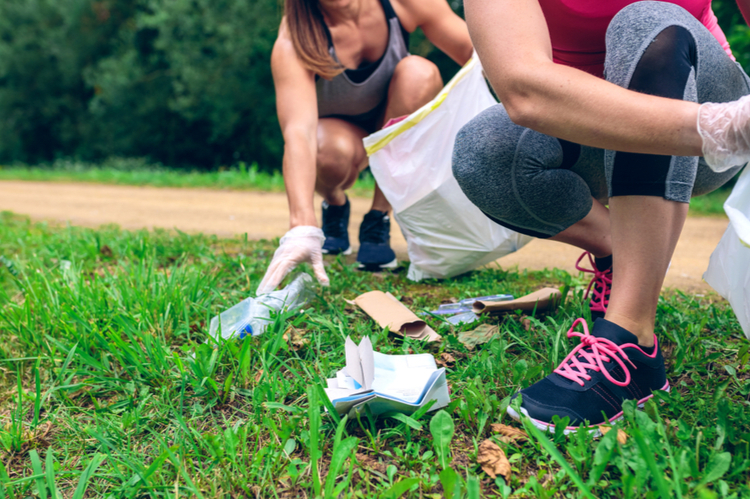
{"type": "Point", "coordinates": [108, 386]}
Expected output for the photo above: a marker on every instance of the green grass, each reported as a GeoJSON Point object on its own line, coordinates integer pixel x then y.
{"type": "Point", "coordinates": [139, 172]}
{"type": "Point", "coordinates": [107, 387]}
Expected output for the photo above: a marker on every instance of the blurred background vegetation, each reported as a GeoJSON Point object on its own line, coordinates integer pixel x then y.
{"type": "Point", "coordinates": [186, 83]}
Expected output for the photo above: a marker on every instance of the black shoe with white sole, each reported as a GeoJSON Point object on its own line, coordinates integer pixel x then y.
{"type": "Point", "coordinates": [336, 228]}
{"type": "Point", "coordinates": [375, 250]}
{"type": "Point", "coordinates": [590, 385]}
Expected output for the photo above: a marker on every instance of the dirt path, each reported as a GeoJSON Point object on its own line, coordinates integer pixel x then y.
{"type": "Point", "coordinates": [264, 215]}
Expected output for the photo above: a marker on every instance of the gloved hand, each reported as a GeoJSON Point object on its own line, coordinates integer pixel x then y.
{"type": "Point", "coordinates": [299, 244]}
{"type": "Point", "coordinates": [725, 129]}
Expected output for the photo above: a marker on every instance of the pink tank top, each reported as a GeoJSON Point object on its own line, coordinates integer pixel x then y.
{"type": "Point", "coordinates": [577, 28]}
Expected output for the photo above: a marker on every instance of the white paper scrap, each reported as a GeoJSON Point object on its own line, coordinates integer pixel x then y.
{"type": "Point", "coordinates": [384, 382]}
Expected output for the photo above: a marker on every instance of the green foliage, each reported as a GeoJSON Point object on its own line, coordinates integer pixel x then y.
{"type": "Point", "coordinates": [183, 82]}
{"type": "Point", "coordinates": [109, 389]}
{"type": "Point", "coordinates": [186, 82]}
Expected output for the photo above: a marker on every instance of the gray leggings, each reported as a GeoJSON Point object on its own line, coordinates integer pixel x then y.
{"type": "Point", "coordinates": [540, 185]}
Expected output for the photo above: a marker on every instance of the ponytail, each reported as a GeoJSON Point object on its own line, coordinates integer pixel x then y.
{"type": "Point", "coordinates": [307, 30]}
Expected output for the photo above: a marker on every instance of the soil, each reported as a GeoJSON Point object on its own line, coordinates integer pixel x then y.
{"type": "Point", "coordinates": [265, 215]}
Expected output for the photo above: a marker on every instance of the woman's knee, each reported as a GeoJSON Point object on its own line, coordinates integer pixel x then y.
{"type": "Point", "coordinates": [484, 150]}
{"type": "Point", "coordinates": [415, 78]}
{"type": "Point", "coordinates": [338, 158]}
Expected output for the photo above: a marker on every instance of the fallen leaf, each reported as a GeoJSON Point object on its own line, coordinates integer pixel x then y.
{"type": "Point", "coordinates": [480, 335]}
{"type": "Point", "coordinates": [446, 359]}
{"type": "Point", "coordinates": [526, 322]}
{"type": "Point", "coordinates": [510, 434]}
{"type": "Point", "coordinates": [622, 438]}
{"type": "Point", "coordinates": [295, 338]}
{"type": "Point", "coordinates": [371, 463]}
{"type": "Point", "coordinates": [105, 251]}
{"type": "Point", "coordinates": [493, 460]}
{"type": "Point", "coordinates": [258, 376]}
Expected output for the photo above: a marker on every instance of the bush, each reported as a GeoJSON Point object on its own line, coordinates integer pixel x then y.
{"type": "Point", "coordinates": [182, 82]}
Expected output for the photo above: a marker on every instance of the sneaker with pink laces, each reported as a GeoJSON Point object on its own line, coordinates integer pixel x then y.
{"type": "Point", "coordinates": [599, 287]}
{"type": "Point", "coordinates": [590, 385]}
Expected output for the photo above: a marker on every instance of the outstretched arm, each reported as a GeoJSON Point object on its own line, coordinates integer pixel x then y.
{"type": "Point", "coordinates": [512, 40]}
{"type": "Point", "coordinates": [297, 108]}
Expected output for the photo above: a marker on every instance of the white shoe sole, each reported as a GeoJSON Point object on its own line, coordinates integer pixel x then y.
{"type": "Point", "coordinates": [391, 265]}
{"type": "Point", "coordinates": [348, 251]}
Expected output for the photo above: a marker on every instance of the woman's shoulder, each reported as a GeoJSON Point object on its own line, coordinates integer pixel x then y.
{"type": "Point", "coordinates": [283, 48]}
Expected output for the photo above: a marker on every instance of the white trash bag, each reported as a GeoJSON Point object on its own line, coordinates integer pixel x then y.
{"type": "Point", "coordinates": [729, 269]}
{"type": "Point", "coordinates": [411, 160]}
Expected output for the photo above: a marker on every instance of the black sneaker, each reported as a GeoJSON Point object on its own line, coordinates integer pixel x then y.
{"type": "Point", "coordinates": [375, 251]}
{"type": "Point", "coordinates": [604, 370]}
{"type": "Point", "coordinates": [336, 228]}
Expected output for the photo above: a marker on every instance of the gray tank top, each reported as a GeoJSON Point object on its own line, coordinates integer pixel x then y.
{"type": "Point", "coordinates": [360, 91]}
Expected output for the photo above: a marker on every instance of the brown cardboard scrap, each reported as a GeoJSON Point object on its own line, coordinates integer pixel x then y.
{"type": "Point", "coordinates": [544, 299]}
{"type": "Point", "coordinates": [389, 313]}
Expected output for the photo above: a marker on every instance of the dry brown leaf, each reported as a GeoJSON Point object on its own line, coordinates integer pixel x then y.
{"type": "Point", "coordinates": [622, 438]}
{"type": "Point", "coordinates": [295, 338]}
{"type": "Point", "coordinates": [526, 322]}
{"type": "Point", "coordinates": [493, 460]}
{"type": "Point", "coordinates": [510, 434]}
{"type": "Point", "coordinates": [446, 359]}
{"type": "Point", "coordinates": [480, 335]}
{"type": "Point", "coordinates": [258, 376]}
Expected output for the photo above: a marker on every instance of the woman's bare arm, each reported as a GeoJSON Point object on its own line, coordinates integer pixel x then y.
{"type": "Point", "coordinates": [297, 108]}
{"type": "Point", "coordinates": [512, 40]}
{"type": "Point", "coordinates": [441, 26]}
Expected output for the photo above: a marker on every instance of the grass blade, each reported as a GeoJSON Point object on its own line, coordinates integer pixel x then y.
{"type": "Point", "coordinates": [36, 466]}
{"type": "Point", "coordinates": [400, 488]}
{"type": "Point", "coordinates": [557, 456]}
{"type": "Point", "coordinates": [86, 475]}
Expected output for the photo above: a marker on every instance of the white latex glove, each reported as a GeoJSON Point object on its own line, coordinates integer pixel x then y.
{"type": "Point", "coordinates": [725, 129]}
{"type": "Point", "coordinates": [298, 245]}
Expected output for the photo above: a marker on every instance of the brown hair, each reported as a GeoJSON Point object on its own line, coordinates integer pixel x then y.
{"type": "Point", "coordinates": [310, 40]}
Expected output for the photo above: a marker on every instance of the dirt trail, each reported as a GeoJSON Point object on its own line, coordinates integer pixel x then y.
{"type": "Point", "coordinates": [265, 215]}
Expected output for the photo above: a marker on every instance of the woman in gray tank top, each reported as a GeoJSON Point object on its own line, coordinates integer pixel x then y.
{"type": "Point", "coordinates": [342, 69]}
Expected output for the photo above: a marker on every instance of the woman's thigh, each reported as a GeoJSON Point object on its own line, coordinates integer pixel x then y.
{"type": "Point", "coordinates": [661, 49]}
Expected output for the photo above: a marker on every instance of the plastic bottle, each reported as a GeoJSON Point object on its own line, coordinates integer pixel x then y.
{"type": "Point", "coordinates": [253, 315]}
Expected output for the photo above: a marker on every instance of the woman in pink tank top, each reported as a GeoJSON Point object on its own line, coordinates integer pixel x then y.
{"type": "Point", "coordinates": [577, 28]}
{"type": "Point", "coordinates": [614, 113]}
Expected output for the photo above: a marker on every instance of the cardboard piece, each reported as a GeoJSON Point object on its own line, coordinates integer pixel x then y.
{"type": "Point", "coordinates": [389, 313]}
{"type": "Point", "coordinates": [402, 383]}
{"type": "Point", "coordinates": [543, 300]}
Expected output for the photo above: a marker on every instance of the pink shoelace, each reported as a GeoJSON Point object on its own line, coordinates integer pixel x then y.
{"type": "Point", "coordinates": [591, 354]}
{"type": "Point", "coordinates": [600, 296]}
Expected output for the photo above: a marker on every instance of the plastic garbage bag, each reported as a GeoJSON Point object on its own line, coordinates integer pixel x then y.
{"type": "Point", "coordinates": [729, 269]}
{"type": "Point", "coordinates": [411, 161]}
{"type": "Point", "coordinates": [252, 315]}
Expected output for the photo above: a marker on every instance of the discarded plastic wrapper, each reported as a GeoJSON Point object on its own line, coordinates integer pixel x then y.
{"type": "Point", "coordinates": [458, 319]}
{"type": "Point", "coordinates": [252, 315]}
{"type": "Point", "coordinates": [541, 300]}
{"type": "Point", "coordinates": [466, 305]}
{"type": "Point", "coordinates": [384, 383]}
{"type": "Point", "coordinates": [389, 313]}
